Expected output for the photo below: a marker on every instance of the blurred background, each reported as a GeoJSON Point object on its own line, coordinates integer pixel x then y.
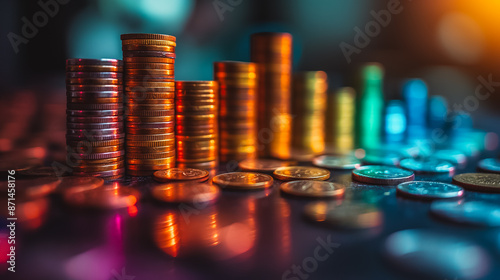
{"type": "Point", "coordinates": [449, 43]}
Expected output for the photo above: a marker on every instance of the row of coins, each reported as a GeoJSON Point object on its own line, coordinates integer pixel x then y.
{"type": "Point", "coordinates": [197, 124]}
{"type": "Point", "coordinates": [149, 98]}
{"type": "Point", "coordinates": [308, 108]}
{"type": "Point", "coordinates": [273, 54]}
{"type": "Point", "coordinates": [95, 135]}
{"type": "Point", "coordinates": [237, 116]}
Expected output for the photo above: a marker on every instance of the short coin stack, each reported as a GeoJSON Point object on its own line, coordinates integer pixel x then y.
{"type": "Point", "coordinates": [237, 111]}
{"type": "Point", "coordinates": [273, 54]}
{"type": "Point", "coordinates": [149, 98]}
{"type": "Point", "coordinates": [94, 136]}
{"type": "Point", "coordinates": [339, 122]}
{"type": "Point", "coordinates": [308, 107]}
{"type": "Point", "coordinates": [197, 131]}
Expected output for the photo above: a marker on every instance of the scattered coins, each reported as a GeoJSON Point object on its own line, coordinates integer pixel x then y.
{"type": "Point", "coordinates": [477, 213]}
{"type": "Point", "coordinates": [437, 255]}
{"type": "Point", "coordinates": [186, 192]}
{"type": "Point", "coordinates": [181, 174]}
{"type": "Point", "coordinates": [346, 215]}
{"type": "Point", "coordinates": [489, 165]}
{"type": "Point", "coordinates": [243, 180]}
{"type": "Point", "coordinates": [429, 165]}
{"type": "Point", "coordinates": [478, 181]}
{"type": "Point", "coordinates": [292, 173]}
{"type": "Point", "coordinates": [429, 190]}
{"type": "Point", "coordinates": [263, 165]}
{"type": "Point", "coordinates": [382, 175]}
{"type": "Point", "coordinates": [310, 188]}
{"type": "Point", "coordinates": [337, 162]}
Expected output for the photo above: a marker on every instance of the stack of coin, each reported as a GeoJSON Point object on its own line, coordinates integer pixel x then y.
{"type": "Point", "coordinates": [197, 131]}
{"type": "Point", "coordinates": [308, 109]}
{"type": "Point", "coordinates": [149, 98]}
{"type": "Point", "coordinates": [339, 122]}
{"type": "Point", "coordinates": [273, 54]}
{"type": "Point", "coordinates": [370, 105]}
{"type": "Point", "coordinates": [237, 114]}
{"type": "Point", "coordinates": [95, 136]}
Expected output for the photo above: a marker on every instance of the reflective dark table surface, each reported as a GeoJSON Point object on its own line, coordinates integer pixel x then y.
{"type": "Point", "coordinates": [244, 235]}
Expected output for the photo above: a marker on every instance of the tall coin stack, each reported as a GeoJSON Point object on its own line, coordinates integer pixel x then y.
{"type": "Point", "coordinates": [308, 108]}
{"type": "Point", "coordinates": [94, 136]}
{"type": "Point", "coordinates": [273, 54]}
{"type": "Point", "coordinates": [197, 131]}
{"type": "Point", "coordinates": [149, 98]}
{"type": "Point", "coordinates": [339, 123]}
{"type": "Point", "coordinates": [237, 111]}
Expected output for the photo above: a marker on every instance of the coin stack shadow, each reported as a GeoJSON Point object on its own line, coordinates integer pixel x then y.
{"type": "Point", "coordinates": [197, 131]}
{"type": "Point", "coordinates": [94, 135]}
{"type": "Point", "coordinates": [149, 98]}
{"type": "Point", "coordinates": [308, 108]}
{"type": "Point", "coordinates": [237, 110]}
{"type": "Point", "coordinates": [339, 123]}
{"type": "Point", "coordinates": [273, 54]}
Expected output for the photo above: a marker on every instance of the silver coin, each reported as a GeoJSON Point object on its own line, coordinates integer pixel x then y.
{"type": "Point", "coordinates": [476, 213]}
{"type": "Point", "coordinates": [336, 162]}
{"type": "Point", "coordinates": [437, 255]}
{"type": "Point", "coordinates": [313, 188]}
{"type": "Point", "coordinates": [428, 165]}
{"type": "Point", "coordinates": [490, 165]}
{"type": "Point", "coordinates": [430, 190]}
{"type": "Point", "coordinates": [382, 175]}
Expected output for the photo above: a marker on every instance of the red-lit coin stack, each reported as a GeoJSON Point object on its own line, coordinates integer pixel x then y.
{"type": "Point", "coordinates": [196, 127]}
{"type": "Point", "coordinates": [237, 110]}
{"type": "Point", "coordinates": [273, 54]}
{"type": "Point", "coordinates": [95, 136]}
{"type": "Point", "coordinates": [149, 99]}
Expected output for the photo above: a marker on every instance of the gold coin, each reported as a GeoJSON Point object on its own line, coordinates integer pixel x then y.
{"type": "Point", "coordinates": [346, 215]}
{"type": "Point", "coordinates": [478, 181]}
{"type": "Point", "coordinates": [243, 180]}
{"type": "Point", "coordinates": [313, 188]}
{"type": "Point", "coordinates": [291, 173]}
{"type": "Point", "coordinates": [181, 174]}
{"type": "Point", "coordinates": [263, 165]}
{"type": "Point", "coordinates": [186, 192]}
{"type": "Point", "coordinates": [132, 47]}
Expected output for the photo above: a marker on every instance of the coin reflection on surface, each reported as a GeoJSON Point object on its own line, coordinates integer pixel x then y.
{"type": "Point", "coordinates": [111, 196]}
{"type": "Point", "coordinates": [346, 215]}
{"type": "Point", "coordinates": [186, 232]}
{"type": "Point", "coordinates": [437, 255]}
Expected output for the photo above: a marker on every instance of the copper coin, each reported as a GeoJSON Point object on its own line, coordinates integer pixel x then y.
{"type": "Point", "coordinates": [243, 180]}
{"type": "Point", "coordinates": [291, 173]}
{"type": "Point", "coordinates": [181, 174]}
